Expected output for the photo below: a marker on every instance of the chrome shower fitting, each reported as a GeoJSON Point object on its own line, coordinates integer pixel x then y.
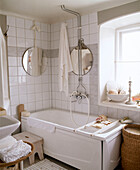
{"type": "Point", "coordinates": [80, 45]}
{"type": "Point", "coordinates": [78, 19]}
{"type": "Point", "coordinates": [78, 96]}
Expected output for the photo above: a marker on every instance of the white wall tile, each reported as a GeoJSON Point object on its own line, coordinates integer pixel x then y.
{"type": "Point", "coordinates": [31, 106]}
{"type": "Point", "coordinates": [93, 18]}
{"type": "Point", "coordinates": [44, 36]}
{"type": "Point", "coordinates": [39, 97]}
{"type": "Point", "coordinates": [85, 30]}
{"type": "Point", "coordinates": [11, 31]}
{"type": "Point", "coordinates": [38, 35]}
{"type": "Point", "coordinates": [13, 81]}
{"type": "Point", "coordinates": [30, 80]}
{"type": "Point", "coordinates": [12, 71]}
{"type": "Point", "coordinates": [69, 23]}
{"type": "Point", "coordinates": [11, 21]}
{"type": "Point", "coordinates": [12, 41]}
{"type": "Point", "coordinates": [14, 111]}
{"type": "Point", "coordinates": [20, 22]}
{"type": "Point", "coordinates": [30, 89]}
{"type": "Point", "coordinates": [14, 90]}
{"type": "Point", "coordinates": [135, 116]}
{"type": "Point", "coordinates": [29, 43]}
{"type": "Point", "coordinates": [29, 33]}
{"type": "Point", "coordinates": [20, 42]}
{"type": "Point", "coordinates": [93, 28]}
{"type": "Point", "coordinates": [43, 27]}
{"type": "Point", "coordinates": [93, 38]}
{"type": "Point", "coordinates": [23, 99]}
{"type": "Point", "coordinates": [86, 39]}
{"type": "Point", "coordinates": [75, 22]}
{"type": "Point", "coordinates": [14, 100]}
{"type": "Point", "coordinates": [56, 35]}
{"type": "Point", "coordinates": [71, 33]}
{"type": "Point", "coordinates": [49, 28]}
{"type": "Point", "coordinates": [22, 90]}
{"type": "Point", "coordinates": [56, 27]}
{"type": "Point", "coordinates": [21, 71]}
{"type": "Point", "coordinates": [28, 24]}
{"type": "Point", "coordinates": [39, 105]}
{"type": "Point", "coordinates": [31, 97]}
{"type": "Point", "coordinates": [84, 20]}
{"type": "Point", "coordinates": [12, 61]}
{"type": "Point", "coordinates": [20, 32]}
{"type": "Point", "coordinates": [22, 80]}
{"type": "Point", "coordinates": [38, 88]}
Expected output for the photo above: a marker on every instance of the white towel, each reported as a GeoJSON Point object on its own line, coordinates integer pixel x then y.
{"type": "Point", "coordinates": [65, 65]}
{"type": "Point", "coordinates": [14, 152]}
{"type": "Point", "coordinates": [3, 73]}
{"type": "Point", "coordinates": [36, 61]}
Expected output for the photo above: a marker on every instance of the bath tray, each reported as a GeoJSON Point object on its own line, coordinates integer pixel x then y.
{"type": "Point", "coordinates": [90, 130]}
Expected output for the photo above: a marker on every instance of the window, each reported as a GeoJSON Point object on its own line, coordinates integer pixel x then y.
{"type": "Point", "coordinates": [127, 60]}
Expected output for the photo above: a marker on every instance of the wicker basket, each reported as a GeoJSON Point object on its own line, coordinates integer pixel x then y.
{"type": "Point", "coordinates": [130, 150]}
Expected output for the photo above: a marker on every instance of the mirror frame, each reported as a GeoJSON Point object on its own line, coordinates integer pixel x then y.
{"type": "Point", "coordinates": [23, 65]}
{"type": "Point", "coordinates": [84, 46]}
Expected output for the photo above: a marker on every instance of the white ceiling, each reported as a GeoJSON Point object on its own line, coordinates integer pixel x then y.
{"type": "Point", "coordinates": [49, 10]}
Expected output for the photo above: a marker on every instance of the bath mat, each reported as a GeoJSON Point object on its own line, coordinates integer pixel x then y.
{"type": "Point", "coordinates": [45, 165]}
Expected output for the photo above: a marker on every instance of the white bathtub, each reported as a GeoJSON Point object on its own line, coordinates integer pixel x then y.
{"type": "Point", "coordinates": [74, 145]}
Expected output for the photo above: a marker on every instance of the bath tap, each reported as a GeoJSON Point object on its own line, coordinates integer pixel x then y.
{"type": "Point", "coordinates": [79, 96]}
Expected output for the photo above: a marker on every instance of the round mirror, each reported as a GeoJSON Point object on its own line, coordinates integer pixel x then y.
{"type": "Point", "coordinates": [34, 61]}
{"type": "Point", "coordinates": [86, 60]}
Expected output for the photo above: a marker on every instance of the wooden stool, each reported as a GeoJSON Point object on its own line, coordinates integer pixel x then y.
{"type": "Point", "coordinates": [35, 140]}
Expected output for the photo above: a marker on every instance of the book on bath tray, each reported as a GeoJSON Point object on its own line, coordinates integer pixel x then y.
{"type": "Point", "coordinates": [101, 121]}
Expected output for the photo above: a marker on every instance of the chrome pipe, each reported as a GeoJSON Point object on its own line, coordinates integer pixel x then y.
{"type": "Point", "coordinates": [80, 40]}
{"type": "Point", "coordinates": [78, 19]}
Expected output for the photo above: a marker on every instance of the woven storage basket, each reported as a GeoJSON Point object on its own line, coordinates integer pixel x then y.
{"type": "Point", "coordinates": [130, 150]}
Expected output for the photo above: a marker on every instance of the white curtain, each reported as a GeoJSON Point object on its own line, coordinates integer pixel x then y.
{"type": "Point", "coordinates": [4, 92]}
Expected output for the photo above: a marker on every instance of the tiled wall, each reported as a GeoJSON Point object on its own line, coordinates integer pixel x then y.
{"type": "Point", "coordinates": [33, 92]}
{"type": "Point", "coordinates": [90, 34]}
{"type": "Point", "coordinates": [42, 92]}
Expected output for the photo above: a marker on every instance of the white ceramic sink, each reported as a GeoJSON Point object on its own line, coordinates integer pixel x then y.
{"type": "Point", "coordinates": [8, 125]}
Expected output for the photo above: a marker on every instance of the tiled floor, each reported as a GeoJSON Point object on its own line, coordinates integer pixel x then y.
{"type": "Point", "coordinates": [26, 163]}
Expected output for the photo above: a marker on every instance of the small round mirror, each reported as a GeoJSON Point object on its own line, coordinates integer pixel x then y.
{"type": "Point", "coordinates": [86, 60]}
{"type": "Point", "coordinates": [34, 62]}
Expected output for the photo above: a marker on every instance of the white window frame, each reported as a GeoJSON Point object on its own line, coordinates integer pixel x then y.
{"type": "Point", "coordinates": [118, 37]}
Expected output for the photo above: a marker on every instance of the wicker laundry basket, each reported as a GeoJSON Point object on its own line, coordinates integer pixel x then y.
{"type": "Point", "coordinates": [130, 150]}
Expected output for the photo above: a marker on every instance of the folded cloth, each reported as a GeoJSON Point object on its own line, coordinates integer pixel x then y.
{"type": "Point", "coordinates": [12, 153]}
{"type": "Point", "coordinates": [25, 113]}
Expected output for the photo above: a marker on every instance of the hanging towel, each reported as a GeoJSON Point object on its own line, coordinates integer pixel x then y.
{"type": "Point", "coordinates": [3, 72]}
{"type": "Point", "coordinates": [65, 65]}
{"type": "Point", "coordinates": [36, 61]}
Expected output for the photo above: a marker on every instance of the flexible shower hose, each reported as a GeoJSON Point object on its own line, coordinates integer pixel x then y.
{"type": "Point", "coordinates": [74, 93]}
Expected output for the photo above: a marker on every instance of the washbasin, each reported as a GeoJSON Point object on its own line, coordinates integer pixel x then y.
{"type": "Point", "coordinates": [8, 125]}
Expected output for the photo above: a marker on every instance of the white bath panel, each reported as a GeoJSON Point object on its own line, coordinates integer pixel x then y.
{"type": "Point", "coordinates": [45, 165]}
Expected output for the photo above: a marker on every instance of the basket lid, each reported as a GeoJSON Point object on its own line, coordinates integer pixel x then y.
{"type": "Point", "coordinates": [132, 130]}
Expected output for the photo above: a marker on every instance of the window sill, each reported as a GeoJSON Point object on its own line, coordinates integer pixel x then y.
{"type": "Point", "coordinates": [124, 106]}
